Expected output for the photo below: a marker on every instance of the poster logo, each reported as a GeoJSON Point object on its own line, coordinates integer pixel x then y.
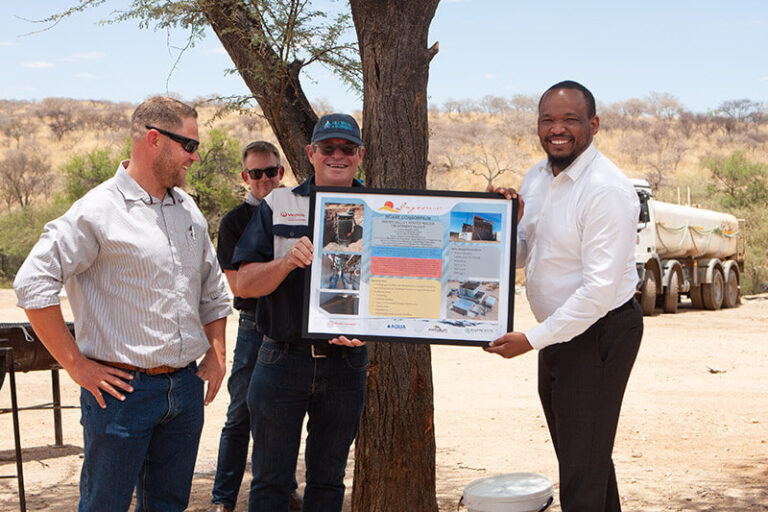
{"type": "Point", "coordinates": [389, 207]}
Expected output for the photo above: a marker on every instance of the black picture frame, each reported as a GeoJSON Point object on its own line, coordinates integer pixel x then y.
{"type": "Point", "coordinates": [345, 257]}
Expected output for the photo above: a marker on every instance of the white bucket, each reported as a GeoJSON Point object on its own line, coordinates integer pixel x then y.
{"type": "Point", "coordinates": [511, 492]}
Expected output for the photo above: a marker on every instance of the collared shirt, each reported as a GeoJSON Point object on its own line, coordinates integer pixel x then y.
{"type": "Point", "coordinates": [577, 242]}
{"type": "Point", "coordinates": [281, 219]}
{"type": "Point", "coordinates": [141, 274]}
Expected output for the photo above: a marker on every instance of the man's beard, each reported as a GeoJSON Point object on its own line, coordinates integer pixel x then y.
{"type": "Point", "coordinates": [561, 162]}
{"type": "Point", "coordinates": [165, 173]}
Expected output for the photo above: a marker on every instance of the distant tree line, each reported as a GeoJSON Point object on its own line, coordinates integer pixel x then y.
{"type": "Point", "coordinates": [492, 140]}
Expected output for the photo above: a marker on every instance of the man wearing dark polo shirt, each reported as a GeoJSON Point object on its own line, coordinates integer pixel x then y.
{"type": "Point", "coordinates": [262, 172]}
{"type": "Point", "coordinates": [294, 376]}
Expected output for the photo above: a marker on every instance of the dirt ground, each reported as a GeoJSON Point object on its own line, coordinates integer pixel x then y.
{"type": "Point", "coordinates": [693, 434]}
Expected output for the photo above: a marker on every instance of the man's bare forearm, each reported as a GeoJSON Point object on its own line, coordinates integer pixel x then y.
{"type": "Point", "coordinates": [48, 323]}
{"type": "Point", "coordinates": [259, 279]}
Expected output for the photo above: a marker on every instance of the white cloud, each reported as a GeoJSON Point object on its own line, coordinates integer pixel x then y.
{"type": "Point", "coordinates": [37, 64]}
{"type": "Point", "coordinates": [83, 56]}
{"type": "Point", "coordinates": [85, 76]}
{"type": "Point", "coordinates": [9, 43]}
{"type": "Point", "coordinates": [219, 50]}
{"type": "Point", "coordinates": [764, 78]}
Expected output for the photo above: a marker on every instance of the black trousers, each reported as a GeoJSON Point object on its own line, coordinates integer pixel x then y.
{"type": "Point", "coordinates": [581, 386]}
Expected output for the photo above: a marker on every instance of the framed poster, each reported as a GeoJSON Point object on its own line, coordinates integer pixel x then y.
{"type": "Point", "coordinates": [407, 266]}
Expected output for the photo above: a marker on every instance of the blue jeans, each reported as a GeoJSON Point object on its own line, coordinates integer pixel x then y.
{"type": "Point", "coordinates": [236, 434]}
{"type": "Point", "coordinates": [149, 442]}
{"type": "Point", "coordinates": [288, 383]}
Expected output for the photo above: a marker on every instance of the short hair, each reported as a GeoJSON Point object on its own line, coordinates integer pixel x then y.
{"type": "Point", "coordinates": [160, 111]}
{"type": "Point", "coordinates": [261, 146]}
{"type": "Point", "coordinates": [570, 84]}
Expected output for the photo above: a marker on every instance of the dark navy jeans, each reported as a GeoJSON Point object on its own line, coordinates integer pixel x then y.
{"type": "Point", "coordinates": [287, 384]}
{"type": "Point", "coordinates": [149, 442]}
{"type": "Point", "coordinates": [236, 434]}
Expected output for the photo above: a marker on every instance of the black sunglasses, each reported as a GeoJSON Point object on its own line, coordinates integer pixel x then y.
{"type": "Point", "coordinates": [329, 149]}
{"type": "Point", "coordinates": [271, 172]}
{"type": "Point", "coordinates": [189, 145]}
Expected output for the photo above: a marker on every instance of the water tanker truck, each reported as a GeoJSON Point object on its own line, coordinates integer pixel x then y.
{"type": "Point", "coordinates": [683, 250]}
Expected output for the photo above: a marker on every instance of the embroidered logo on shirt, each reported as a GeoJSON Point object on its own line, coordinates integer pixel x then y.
{"type": "Point", "coordinates": [293, 216]}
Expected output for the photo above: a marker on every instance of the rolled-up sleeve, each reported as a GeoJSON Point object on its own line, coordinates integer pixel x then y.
{"type": "Point", "coordinates": [214, 299]}
{"type": "Point", "coordinates": [68, 246]}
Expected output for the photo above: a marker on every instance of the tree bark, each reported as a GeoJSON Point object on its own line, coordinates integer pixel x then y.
{"type": "Point", "coordinates": [395, 447]}
{"type": "Point", "coordinates": [274, 85]}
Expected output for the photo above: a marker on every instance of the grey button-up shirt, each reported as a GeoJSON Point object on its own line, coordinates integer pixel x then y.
{"type": "Point", "coordinates": [141, 274]}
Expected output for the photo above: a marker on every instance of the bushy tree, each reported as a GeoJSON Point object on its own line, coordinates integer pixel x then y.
{"type": "Point", "coordinates": [740, 181]}
{"type": "Point", "coordinates": [740, 185]}
{"type": "Point", "coordinates": [215, 180]}
{"type": "Point", "coordinates": [19, 231]}
{"type": "Point", "coordinates": [83, 172]}
{"type": "Point", "coordinates": [24, 173]}
{"type": "Point", "coordinates": [62, 115]}
{"type": "Point", "coordinates": [17, 128]}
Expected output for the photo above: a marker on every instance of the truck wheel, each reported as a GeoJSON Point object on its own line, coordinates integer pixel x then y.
{"type": "Point", "coordinates": [672, 293]}
{"type": "Point", "coordinates": [731, 296]}
{"type": "Point", "coordinates": [648, 294]}
{"type": "Point", "coordinates": [695, 294]}
{"type": "Point", "coordinates": [712, 293]}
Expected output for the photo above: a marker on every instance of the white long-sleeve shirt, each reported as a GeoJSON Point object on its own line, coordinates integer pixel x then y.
{"type": "Point", "coordinates": [577, 242]}
{"type": "Point", "coordinates": [141, 274]}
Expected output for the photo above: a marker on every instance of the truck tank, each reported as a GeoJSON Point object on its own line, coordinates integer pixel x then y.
{"type": "Point", "coordinates": [683, 231]}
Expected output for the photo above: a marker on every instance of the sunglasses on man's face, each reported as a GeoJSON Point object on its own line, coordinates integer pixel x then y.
{"type": "Point", "coordinates": [189, 145]}
{"type": "Point", "coordinates": [329, 149]}
{"type": "Point", "coordinates": [256, 174]}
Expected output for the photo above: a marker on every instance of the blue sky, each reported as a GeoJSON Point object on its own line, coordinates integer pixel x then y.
{"type": "Point", "coordinates": [703, 52]}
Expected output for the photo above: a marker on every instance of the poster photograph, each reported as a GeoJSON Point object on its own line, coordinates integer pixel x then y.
{"type": "Point", "coordinates": [402, 266]}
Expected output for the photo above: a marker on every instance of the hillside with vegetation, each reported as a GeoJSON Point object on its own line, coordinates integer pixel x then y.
{"type": "Point", "coordinates": [56, 149]}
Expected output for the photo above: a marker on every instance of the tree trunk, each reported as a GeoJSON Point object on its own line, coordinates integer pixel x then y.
{"type": "Point", "coordinates": [395, 447]}
{"type": "Point", "coordinates": [274, 84]}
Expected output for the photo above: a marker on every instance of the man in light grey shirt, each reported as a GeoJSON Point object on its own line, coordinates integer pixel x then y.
{"type": "Point", "coordinates": [149, 299]}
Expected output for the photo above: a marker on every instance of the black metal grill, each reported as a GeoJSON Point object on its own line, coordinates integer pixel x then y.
{"type": "Point", "coordinates": [22, 351]}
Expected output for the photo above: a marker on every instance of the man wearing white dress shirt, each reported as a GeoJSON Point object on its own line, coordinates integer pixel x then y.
{"type": "Point", "coordinates": [149, 299]}
{"type": "Point", "coordinates": [576, 239]}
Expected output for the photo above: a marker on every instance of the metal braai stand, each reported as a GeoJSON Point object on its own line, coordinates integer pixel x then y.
{"type": "Point", "coordinates": [6, 363]}
{"type": "Point", "coordinates": [21, 350]}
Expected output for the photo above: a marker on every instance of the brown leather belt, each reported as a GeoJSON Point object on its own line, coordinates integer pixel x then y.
{"type": "Point", "coordinates": [157, 370]}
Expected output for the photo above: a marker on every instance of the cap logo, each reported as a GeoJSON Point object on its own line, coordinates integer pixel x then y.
{"type": "Point", "coordinates": [337, 125]}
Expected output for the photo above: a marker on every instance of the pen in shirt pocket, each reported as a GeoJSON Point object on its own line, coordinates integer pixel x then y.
{"type": "Point", "coordinates": [192, 232]}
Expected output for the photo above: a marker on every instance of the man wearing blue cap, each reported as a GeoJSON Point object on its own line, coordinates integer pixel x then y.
{"type": "Point", "coordinates": [293, 376]}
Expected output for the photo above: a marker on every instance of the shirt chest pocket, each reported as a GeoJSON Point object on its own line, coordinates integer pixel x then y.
{"type": "Point", "coordinates": [186, 240]}
{"type": "Point", "coordinates": [285, 235]}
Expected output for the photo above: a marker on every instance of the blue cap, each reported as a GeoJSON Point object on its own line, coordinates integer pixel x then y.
{"type": "Point", "coordinates": [337, 126]}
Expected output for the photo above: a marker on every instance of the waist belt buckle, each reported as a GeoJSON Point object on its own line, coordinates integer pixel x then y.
{"type": "Point", "coordinates": [316, 355]}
